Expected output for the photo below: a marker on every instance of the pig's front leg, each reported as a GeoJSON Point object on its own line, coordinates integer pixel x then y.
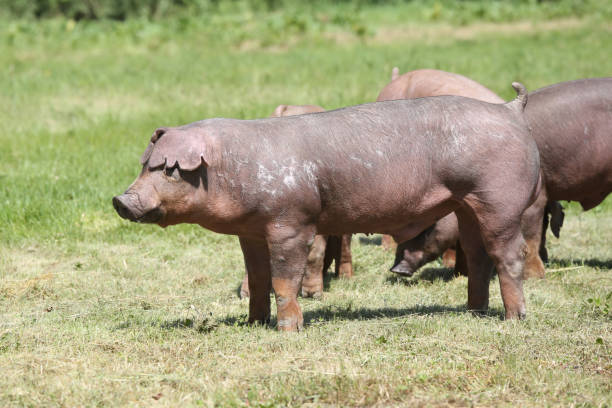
{"type": "Point", "coordinates": [289, 247]}
{"type": "Point", "coordinates": [257, 262]}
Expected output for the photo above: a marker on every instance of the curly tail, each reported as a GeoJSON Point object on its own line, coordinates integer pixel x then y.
{"type": "Point", "coordinates": [521, 97]}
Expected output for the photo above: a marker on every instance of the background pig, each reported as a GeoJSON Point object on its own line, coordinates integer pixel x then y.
{"type": "Point", "coordinates": [431, 82]}
{"type": "Point", "coordinates": [324, 249]}
{"type": "Point", "coordinates": [572, 125]}
{"type": "Point", "coordinates": [393, 167]}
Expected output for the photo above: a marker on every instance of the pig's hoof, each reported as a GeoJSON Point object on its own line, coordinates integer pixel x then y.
{"type": "Point", "coordinates": [479, 308]}
{"type": "Point", "coordinates": [535, 269]}
{"type": "Point", "coordinates": [449, 258]}
{"type": "Point", "coordinates": [262, 321]}
{"type": "Point", "coordinates": [478, 313]}
{"type": "Point", "coordinates": [243, 292]}
{"type": "Point", "coordinates": [514, 315]}
{"type": "Point", "coordinates": [403, 269]}
{"type": "Point", "coordinates": [312, 293]}
{"type": "Point", "coordinates": [290, 325]}
{"type": "Point", "coordinates": [345, 270]}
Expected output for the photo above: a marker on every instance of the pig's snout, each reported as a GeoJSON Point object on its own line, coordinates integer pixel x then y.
{"type": "Point", "coordinates": [127, 206]}
{"type": "Point", "coordinates": [123, 208]}
{"type": "Point", "coordinates": [402, 268]}
{"type": "Point", "coordinates": [406, 261]}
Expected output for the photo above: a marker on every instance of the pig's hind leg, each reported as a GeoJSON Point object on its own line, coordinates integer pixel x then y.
{"type": "Point", "coordinates": [257, 262]}
{"type": "Point", "coordinates": [479, 265]}
{"type": "Point", "coordinates": [503, 240]}
{"type": "Point", "coordinates": [531, 225]}
{"type": "Point", "coordinates": [289, 247]}
{"type": "Point", "coordinates": [312, 285]}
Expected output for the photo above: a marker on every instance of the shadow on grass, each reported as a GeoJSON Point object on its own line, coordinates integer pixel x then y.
{"type": "Point", "coordinates": [370, 240]}
{"type": "Point", "coordinates": [327, 278]}
{"type": "Point", "coordinates": [201, 325]}
{"type": "Point", "coordinates": [324, 314]}
{"type": "Point", "coordinates": [433, 274]}
{"type": "Point", "coordinates": [426, 274]}
{"type": "Point", "coordinates": [329, 313]}
{"type": "Point", "coordinates": [593, 263]}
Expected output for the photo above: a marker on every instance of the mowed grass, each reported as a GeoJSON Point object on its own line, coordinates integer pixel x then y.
{"type": "Point", "coordinates": [98, 311]}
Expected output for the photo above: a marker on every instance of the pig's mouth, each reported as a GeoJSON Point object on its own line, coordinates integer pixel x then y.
{"type": "Point", "coordinates": [151, 217]}
{"type": "Point", "coordinates": [125, 208]}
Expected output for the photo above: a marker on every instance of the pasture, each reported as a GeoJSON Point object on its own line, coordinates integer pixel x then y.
{"type": "Point", "coordinates": [96, 311]}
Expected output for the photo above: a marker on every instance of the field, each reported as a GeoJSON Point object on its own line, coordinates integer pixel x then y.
{"type": "Point", "coordinates": [96, 311]}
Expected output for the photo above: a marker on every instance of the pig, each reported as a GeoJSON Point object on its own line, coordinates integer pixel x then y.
{"type": "Point", "coordinates": [571, 123]}
{"type": "Point", "coordinates": [393, 167]}
{"type": "Point", "coordinates": [431, 82]}
{"type": "Point", "coordinates": [325, 249]}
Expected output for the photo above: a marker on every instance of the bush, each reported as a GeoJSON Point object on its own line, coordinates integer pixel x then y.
{"type": "Point", "coordinates": [153, 9]}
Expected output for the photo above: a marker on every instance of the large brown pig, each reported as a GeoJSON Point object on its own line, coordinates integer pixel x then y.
{"type": "Point", "coordinates": [324, 249]}
{"type": "Point", "coordinates": [572, 125]}
{"type": "Point", "coordinates": [393, 167]}
{"type": "Point", "coordinates": [431, 82]}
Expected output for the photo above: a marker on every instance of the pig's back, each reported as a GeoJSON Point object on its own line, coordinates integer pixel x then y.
{"type": "Point", "coordinates": [572, 125]}
{"type": "Point", "coordinates": [430, 82]}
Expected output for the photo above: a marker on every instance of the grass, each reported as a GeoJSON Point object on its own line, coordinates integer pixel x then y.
{"type": "Point", "coordinates": [97, 311]}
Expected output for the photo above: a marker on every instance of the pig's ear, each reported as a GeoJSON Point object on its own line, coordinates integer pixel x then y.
{"type": "Point", "coordinates": [278, 112]}
{"type": "Point", "coordinates": [190, 153]}
{"type": "Point", "coordinates": [170, 149]}
{"type": "Point", "coordinates": [154, 138]}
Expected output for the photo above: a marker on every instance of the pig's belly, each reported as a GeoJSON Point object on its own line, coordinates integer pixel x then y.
{"type": "Point", "coordinates": [393, 214]}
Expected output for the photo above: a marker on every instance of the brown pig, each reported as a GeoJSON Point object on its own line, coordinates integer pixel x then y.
{"type": "Point", "coordinates": [393, 167]}
{"type": "Point", "coordinates": [324, 249]}
{"type": "Point", "coordinates": [571, 123]}
{"type": "Point", "coordinates": [431, 82]}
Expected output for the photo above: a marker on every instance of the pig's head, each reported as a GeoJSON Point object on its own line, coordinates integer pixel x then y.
{"type": "Point", "coordinates": [411, 255]}
{"type": "Point", "coordinates": [172, 185]}
{"type": "Point", "coordinates": [427, 246]}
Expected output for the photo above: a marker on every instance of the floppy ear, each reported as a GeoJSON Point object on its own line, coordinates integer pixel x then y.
{"type": "Point", "coordinates": [168, 148]}
{"type": "Point", "coordinates": [156, 135]}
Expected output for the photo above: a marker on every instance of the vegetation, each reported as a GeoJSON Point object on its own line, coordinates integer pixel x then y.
{"type": "Point", "coordinates": [496, 10]}
{"type": "Point", "coordinates": [97, 311]}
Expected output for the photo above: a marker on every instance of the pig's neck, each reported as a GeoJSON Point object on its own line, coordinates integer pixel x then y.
{"type": "Point", "coordinates": [220, 210]}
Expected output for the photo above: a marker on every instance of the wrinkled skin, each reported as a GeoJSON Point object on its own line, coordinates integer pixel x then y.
{"type": "Point", "coordinates": [393, 167]}
{"type": "Point", "coordinates": [324, 249]}
{"type": "Point", "coordinates": [571, 123]}
{"type": "Point", "coordinates": [431, 82]}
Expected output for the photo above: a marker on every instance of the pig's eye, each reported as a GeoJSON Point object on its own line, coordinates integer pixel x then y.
{"type": "Point", "coordinates": [172, 173]}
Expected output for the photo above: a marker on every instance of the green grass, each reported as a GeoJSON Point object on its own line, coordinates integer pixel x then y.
{"type": "Point", "coordinates": [97, 311]}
